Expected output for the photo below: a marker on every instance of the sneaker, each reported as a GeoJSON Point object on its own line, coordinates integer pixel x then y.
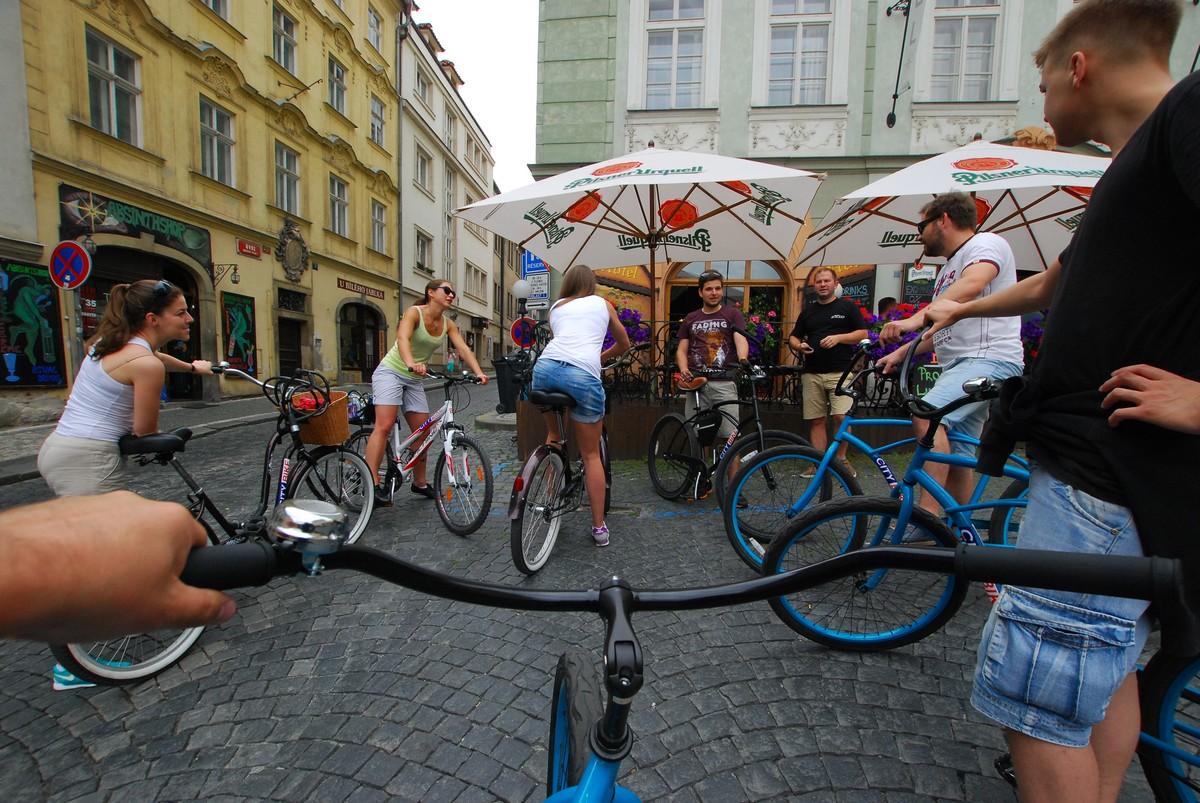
{"type": "Point", "coordinates": [600, 535]}
{"type": "Point", "coordinates": [703, 488]}
{"type": "Point", "coordinates": [382, 497]}
{"type": "Point", "coordinates": [808, 473]}
{"type": "Point", "coordinates": [916, 535]}
{"type": "Point", "coordinates": [847, 469]}
{"type": "Point", "coordinates": [64, 680]}
{"type": "Point", "coordinates": [1004, 767]}
{"type": "Point", "coordinates": [425, 490]}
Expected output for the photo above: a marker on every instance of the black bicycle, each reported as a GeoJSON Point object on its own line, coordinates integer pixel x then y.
{"type": "Point", "coordinates": [330, 474]}
{"type": "Point", "coordinates": [589, 735]}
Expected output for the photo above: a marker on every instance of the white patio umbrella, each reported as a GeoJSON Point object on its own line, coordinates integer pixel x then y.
{"type": "Point", "coordinates": [1032, 198]}
{"type": "Point", "coordinates": [670, 204]}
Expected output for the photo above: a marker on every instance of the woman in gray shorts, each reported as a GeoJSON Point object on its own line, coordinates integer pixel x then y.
{"type": "Point", "coordinates": [396, 383]}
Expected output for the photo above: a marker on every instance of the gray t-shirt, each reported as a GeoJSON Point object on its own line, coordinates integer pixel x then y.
{"type": "Point", "coordinates": [990, 338]}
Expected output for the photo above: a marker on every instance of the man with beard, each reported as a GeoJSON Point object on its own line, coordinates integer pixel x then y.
{"type": "Point", "coordinates": [978, 264]}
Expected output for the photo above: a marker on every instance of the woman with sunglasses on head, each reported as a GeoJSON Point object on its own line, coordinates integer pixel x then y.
{"type": "Point", "coordinates": [118, 388]}
{"type": "Point", "coordinates": [116, 392]}
{"type": "Point", "coordinates": [396, 383]}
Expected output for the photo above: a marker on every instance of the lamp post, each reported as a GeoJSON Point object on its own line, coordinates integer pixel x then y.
{"type": "Point", "coordinates": [521, 290]}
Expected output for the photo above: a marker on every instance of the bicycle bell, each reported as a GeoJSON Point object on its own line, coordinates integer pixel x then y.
{"type": "Point", "coordinates": [315, 528]}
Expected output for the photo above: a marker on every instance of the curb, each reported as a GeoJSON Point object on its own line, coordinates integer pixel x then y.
{"type": "Point", "coordinates": [496, 421]}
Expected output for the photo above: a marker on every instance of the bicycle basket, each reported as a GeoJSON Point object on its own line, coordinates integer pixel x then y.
{"type": "Point", "coordinates": [707, 424]}
{"type": "Point", "coordinates": [330, 427]}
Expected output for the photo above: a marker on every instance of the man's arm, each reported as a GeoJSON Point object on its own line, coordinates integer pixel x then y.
{"type": "Point", "coordinates": [681, 360]}
{"type": "Point", "coordinates": [1027, 295]}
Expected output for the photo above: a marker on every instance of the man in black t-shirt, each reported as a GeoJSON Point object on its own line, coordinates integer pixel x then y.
{"type": "Point", "coordinates": [1107, 482]}
{"type": "Point", "coordinates": [825, 333]}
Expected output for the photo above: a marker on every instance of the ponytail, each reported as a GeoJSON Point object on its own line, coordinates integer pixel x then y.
{"type": "Point", "coordinates": [125, 314]}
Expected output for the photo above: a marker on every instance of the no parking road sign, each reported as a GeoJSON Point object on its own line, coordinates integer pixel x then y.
{"type": "Point", "coordinates": [70, 265]}
{"type": "Point", "coordinates": [523, 332]}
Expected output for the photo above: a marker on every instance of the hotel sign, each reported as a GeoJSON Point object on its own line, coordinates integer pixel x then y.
{"type": "Point", "coordinates": [361, 289]}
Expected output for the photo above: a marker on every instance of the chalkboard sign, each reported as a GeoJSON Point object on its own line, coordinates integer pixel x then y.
{"type": "Point", "coordinates": [30, 328]}
{"type": "Point", "coordinates": [917, 293]}
{"type": "Point", "coordinates": [861, 290]}
{"type": "Point", "coordinates": [922, 378]}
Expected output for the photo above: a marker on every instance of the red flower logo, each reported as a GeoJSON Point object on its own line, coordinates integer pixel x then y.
{"type": "Point", "coordinates": [582, 208]}
{"type": "Point", "coordinates": [1082, 193]}
{"type": "Point", "coordinates": [982, 208]}
{"type": "Point", "coordinates": [619, 167]}
{"type": "Point", "coordinates": [677, 214]}
{"type": "Point", "coordinates": [737, 186]}
{"type": "Point", "coordinates": [982, 164]}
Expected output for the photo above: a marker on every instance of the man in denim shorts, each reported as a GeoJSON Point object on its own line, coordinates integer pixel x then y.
{"type": "Point", "coordinates": [1104, 411]}
{"type": "Point", "coordinates": [977, 265]}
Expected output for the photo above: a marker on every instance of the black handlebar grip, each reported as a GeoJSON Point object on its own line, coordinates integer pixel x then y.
{"type": "Point", "coordinates": [1151, 578]}
{"type": "Point", "coordinates": [230, 566]}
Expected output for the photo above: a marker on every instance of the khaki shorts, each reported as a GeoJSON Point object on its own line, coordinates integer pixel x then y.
{"type": "Point", "coordinates": [81, 466]}
{"type": "Point", "coordinates": [710, 394]}
{"type": "Point", "coordinates": [819, 398]}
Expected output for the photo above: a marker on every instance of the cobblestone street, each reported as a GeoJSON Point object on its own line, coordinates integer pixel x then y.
{"type": "Point", "coordinates": [343, 688]}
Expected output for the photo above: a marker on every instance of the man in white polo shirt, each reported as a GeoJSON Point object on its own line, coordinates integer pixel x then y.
{"type": "Point", "coordinates": [977, 265]}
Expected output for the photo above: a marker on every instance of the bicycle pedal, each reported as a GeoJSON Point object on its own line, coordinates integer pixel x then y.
{"type": "Point", "coordinates": [1004, 767]}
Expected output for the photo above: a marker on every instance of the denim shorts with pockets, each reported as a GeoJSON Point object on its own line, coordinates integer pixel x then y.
{"type": "Point", "coordinates": [969, 419]}
{"type": "Point", "coordinates": [1050, 661]}
{"type": "Point", "coordinates": [585, 389]}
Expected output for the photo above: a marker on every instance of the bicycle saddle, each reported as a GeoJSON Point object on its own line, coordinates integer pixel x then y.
{"type": "Point", "coordinates": [695, 383]}
{"type": "Point", "coordinates": [160, 443]}
{"type": "Point", "coordinates": [544, 398]}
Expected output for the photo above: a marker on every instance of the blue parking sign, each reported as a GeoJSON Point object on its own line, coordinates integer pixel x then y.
{"type": "Point", "coordinates": [531, 263]}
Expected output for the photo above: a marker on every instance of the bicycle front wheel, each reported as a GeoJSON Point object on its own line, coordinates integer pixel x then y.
{"type": "Point", "coordinates": [1006, 521]}
{"type": "Point", "coordinates": [128, 659]}
{"type": "Point", "coordinates": [743, 450]}
{"type": "Point", "coordinates": [1170, 696]}
{"type": "Point", "coordinates": [535, 529]}
{"type": "Point", "coordinates": [575, 708]}
{"type": "Point", "coordinates": [763, 490]}
{"type": "Point", "coordinates": [336, 475]}
{"type": "Point", "coordinates": [872, 610]}
{"type": "Point", "coordinates": [673, 456]}
{"type": "Point", "coordinates": [463, 484]}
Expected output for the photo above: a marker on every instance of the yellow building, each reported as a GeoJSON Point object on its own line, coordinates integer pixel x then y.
{"type": "Point", "coordinates": [243, 151]}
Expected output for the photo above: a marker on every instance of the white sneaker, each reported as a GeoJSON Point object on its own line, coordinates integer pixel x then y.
{"type": "Point", "coordinates": [600, 535]}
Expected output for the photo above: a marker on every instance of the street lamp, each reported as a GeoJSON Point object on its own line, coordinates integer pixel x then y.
{"type": "Point", "coordinates": [521, 290]}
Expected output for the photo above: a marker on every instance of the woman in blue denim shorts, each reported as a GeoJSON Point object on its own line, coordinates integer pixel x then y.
{"type": "Point", "coordinates": [570, 364]}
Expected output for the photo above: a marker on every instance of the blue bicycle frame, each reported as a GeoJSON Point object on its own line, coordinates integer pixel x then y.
{"type": "Point", "coordinates": [598, 785]}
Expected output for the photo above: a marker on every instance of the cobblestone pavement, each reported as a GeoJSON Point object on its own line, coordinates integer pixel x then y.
{"type": "Point", "coordinates": [344, 688]}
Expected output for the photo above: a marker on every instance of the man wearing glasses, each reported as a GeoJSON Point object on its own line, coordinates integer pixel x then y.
{"type": "Point", "coordinates": [978, 264]}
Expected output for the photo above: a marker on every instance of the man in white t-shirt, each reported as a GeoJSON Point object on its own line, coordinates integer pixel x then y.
{"type": "Point", "coordinates": [977, 265]}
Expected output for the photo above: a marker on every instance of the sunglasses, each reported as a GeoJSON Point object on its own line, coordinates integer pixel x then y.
{"type": "Point", "coordinates": [449, 291]}
{"type": "Point", "coordinates": [922, 224]}
{"type": "Point", "coordinates": [708, 276]}
{"type": "Point", "coordinates": [162, 288]}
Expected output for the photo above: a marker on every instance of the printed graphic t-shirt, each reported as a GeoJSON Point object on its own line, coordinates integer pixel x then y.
{"type": "Point", "coordinates": [710, 337]}
{"type": "Point", "coordinates": [838, 317]}
{"type": "Point", "coordinates": [990, 338]}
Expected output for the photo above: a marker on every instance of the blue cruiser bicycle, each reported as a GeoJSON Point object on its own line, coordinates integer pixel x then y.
{"type": "Point", "coordinates": [589, 717]}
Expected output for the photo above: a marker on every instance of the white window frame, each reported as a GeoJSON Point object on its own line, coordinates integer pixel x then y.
{"type": "Point", "coordinates": [838, 67]}
{"type": "Point", "coordinates": [423, 87]}
{"type": "Point", "coordinates": [216, 142]}
{"type": "Point", "coordinates": [377, 120]}
{"type": "Point", "coordinates": [339, 206]}
{"type": "Point", "coordinates": [337, 85]}
{"type": "Point", "coordinates": [283, 39]}
{"type": "Point", "coordinates": [287, 179]}
{"type": "Point", "coordinates": [423, 242]}
{"type": "Point", "coordinates": [1006, 59]}
{"type": "Point", "coordinates": [423, 169]}
{"type": "Point", "coordinates": [798, 23]}
{"type": "Point", "coordinates": [378, 227]}
{"type": "Point", "coordinates": [375, 29]}
{"type": "Point", "coordinates": [112, 87]}
{"type": "Point", "coordinates": [468, 199]}
{"type": "Point", "coordinates": [219, 7]}
{"type": "Point", "coordinates": [449, 227]}
{"type": "Point", "coordinates": [476, 283]}
{"type": "Point", "coordinates": [640, 27]}
{"type": "Point", "coordinates": [450, 128]}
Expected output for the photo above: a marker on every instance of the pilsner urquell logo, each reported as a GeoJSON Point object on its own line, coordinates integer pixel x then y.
{"type": "Point", "coordinates": [766, 202]}
{"type": "Point", "coordinates": [698, 240]}
{"type": "Point", "coordinates": [984, 169]}
{"type": "Point", "coordinates": [1070, 223]}
{"type": "Point", "coordinates": [891, 239]}
{"type": "Point", "coordinates": [540, 216]}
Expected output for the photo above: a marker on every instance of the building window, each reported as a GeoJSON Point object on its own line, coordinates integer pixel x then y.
{"type": "Point", "coordinates": [674, 68]}
{"type": "Point", "coordinates": [496, 298]}
{"type": "Point", "coordinates": [964, 49]}
{"type": "Point", "coordinates": [358, 338]}
{"type": "Point", "coordinates": [376, 120]}
{"type": "Point", "coordinates": [676, 9]}
{"type": "Point", "coordinates": [287, 179]}
{"type": "Point", "coordinates": [337, 85]}
{"type": "Point", "coordinates": [114, 77]}
{"type": "Point", "coordinates": [799, 57]}
{"type": "Point", "coordinates": [475, 156]}
{"type": "Point", "coordinates": [284, 40]}
{"type": "Point", "coordinates": [450, 131]}
{"type": "Point", "coordinates": [375, 29]}
{"type": "Point", "coordinates": [422, 86]}
{"type": "Point", "coordinates": [221, 7]}
{"type": "Point", "coordinates": [339, 206]}
{"type": "Point", "coordinates": [474, 228]}
{"type": "Point", "coordinates": [476, 282]}
{"type": "Point", "coordinates": [216, 142]}
{"type": "Point", "coordinates": [449, 229]}
{"type": "Point", "coordinates": [378, 227]}
{"type": "Point", "coordinates": [424, 252]}
{"type": "Point", "coordinates": [423, 174]}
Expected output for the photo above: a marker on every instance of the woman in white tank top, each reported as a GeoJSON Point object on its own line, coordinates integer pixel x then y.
{"type": "Point", "coordinates": [571, 364]}
{"type": "Point", "coordinates": [118, 387]}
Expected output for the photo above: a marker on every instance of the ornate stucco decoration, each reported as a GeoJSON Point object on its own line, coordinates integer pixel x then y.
{"type": "Point", "coordinates": [1034, 136]}
{"type": "Point", "coordinates": [218, 75]}
{"type": "Point", "coordinates": [291, 251]}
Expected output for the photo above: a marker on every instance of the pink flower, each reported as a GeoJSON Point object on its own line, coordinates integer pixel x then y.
{"type": "Point", "coordinates": [771, 314]}
{"type": "Point", "coordinates": [770, 329]}
{"type": "Point", "coordinates": [755, 319]}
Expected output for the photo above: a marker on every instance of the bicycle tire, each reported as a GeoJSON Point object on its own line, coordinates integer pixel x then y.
{"type": "Point", "coordinates": [743, 450]}
{"type": "Point", "coordinates": [1006, 521]}
{"type": "Point", "coordinates": [769, 484]}
{"type": "Point", "coordinates": [900, 606]}
{"type": "Point", "coordinates": [1170, 704]}
{"type": "Point", "coordinates": [575, 707]}
{"type": "Point", "coordinates": [458, 505]}
{"type": "Point", "coordinates": [607, 463]}
{"type": "Point", "coordinates": [534, 530]}
{"type": "Point", "coordinates": [672, 456]}
{"type": "Point", "coordinates": [337, 475]}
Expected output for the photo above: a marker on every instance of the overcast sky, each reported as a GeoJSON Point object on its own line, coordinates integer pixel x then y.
{"type": "Point", "coordinates": [493, 44]}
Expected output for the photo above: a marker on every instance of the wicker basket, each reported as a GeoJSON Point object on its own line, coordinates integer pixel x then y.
{"type": "Point", "coordinates": [332, 426]}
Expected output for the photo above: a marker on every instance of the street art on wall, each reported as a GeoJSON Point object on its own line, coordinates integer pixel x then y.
{"type": "Point", "coordinates": [237, 312]}
{"type": "Point", "coordinates": [30, 327]}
